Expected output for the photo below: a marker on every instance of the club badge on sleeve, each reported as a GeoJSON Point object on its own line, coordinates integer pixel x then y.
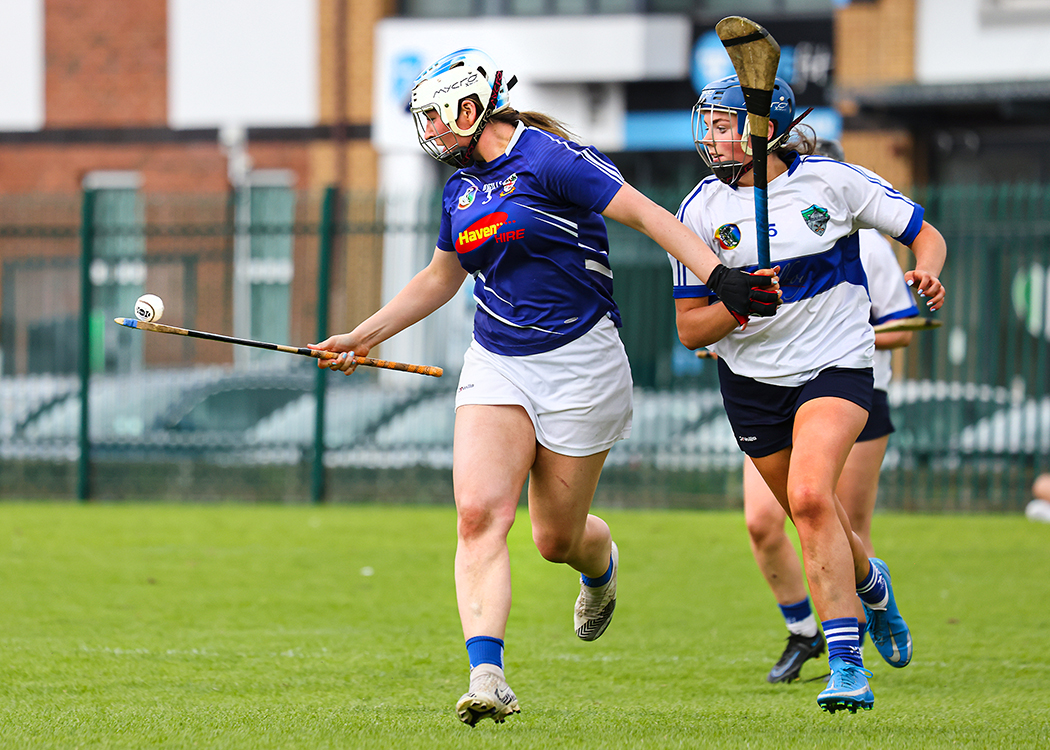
{"type": "Point", "coordinates": [816, 219]}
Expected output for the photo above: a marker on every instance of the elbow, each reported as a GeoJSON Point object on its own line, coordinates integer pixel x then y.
{"type": "Point", "coordinates": [691, 339]}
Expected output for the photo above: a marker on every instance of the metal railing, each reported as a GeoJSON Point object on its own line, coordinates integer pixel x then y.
{"type": "Point", "coordinates": [89, 409]}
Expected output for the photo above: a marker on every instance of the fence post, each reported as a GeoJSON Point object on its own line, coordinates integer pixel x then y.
{"type": "Point", "coordinates": [327, 231]}
{"type": "Point", "coordinates": [87, 239]}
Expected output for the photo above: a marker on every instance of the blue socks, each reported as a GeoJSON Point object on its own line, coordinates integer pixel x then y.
{"type": "Point", "coordinates": [843, 637]}
{"type": "Point", "coordinates": [799, 618]}
{"type": "Point", "coordinates": [873, 590]}
{"type": "Point", "coordinates": [603, 579]}
{"type": "Point", "coordinates": [483, 649]}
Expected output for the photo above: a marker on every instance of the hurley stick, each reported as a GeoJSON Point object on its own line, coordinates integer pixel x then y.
{"type": "Point", "coordinates": [755, 55]}
{"type": "Point", "coordinates": [301, 350]}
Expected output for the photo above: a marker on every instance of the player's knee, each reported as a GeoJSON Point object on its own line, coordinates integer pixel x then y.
{"type": "Point", "coordinates": [479, 518]}
{"type": "Point", "coordinates": [860, 523]}
{"type": "Point", "coordinates": [810, 504]}
{"type": "Point", "coordinates": [765, 529]}
{"type": "Point", "coordinates": [554, 545]}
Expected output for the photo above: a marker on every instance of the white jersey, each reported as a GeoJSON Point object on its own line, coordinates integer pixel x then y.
{"type": "Point", "coordinates": [815, 210]}
{"type": "Point", "coordinates": [891, 298]}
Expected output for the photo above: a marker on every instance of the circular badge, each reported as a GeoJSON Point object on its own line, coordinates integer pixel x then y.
{"type": "Point", "coordinates": [728, 236]}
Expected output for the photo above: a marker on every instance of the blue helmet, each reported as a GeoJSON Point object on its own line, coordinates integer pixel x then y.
{"type": "Point", "coordinates": [726, 95]}
{"type": "Point", "coordinates": [441, 87]}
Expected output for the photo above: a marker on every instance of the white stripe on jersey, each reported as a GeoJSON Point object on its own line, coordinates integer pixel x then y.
{"type": "Point", "coordinates": [593, 265]}
{"type": "Point", "coordinates": [611, 171]}
{"type": "Point", "coordinates": [484, 281]}
{"type": "Point", "coordinates": [570, 227]}
{"type": "Point", "coordinates": [593, 249]}
{"type": "Point", "coordinates": [511, 323]}
{"type": "Point", "coordinates": [586, 154]}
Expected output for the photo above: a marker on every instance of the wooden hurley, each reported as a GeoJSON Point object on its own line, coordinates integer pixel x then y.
{"type": "Point", "coordinates": [301, 350]}
{"type": "Point", "coordinates": [755, 55]}
{"type": "Point", "coordinates": [907, 324]}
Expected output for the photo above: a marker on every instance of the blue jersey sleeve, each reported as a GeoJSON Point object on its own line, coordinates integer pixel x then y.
{"type": "Point", "coordinates": [579, 175]}
{"type": "Point", "coordinates": [444, 238]}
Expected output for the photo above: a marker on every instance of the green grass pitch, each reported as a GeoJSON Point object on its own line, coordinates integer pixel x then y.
{"type": "Point", "coordinates": [234, 626]}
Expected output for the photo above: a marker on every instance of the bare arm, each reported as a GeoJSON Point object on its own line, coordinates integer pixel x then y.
{"type": "Point", "coordinates": [930, 251]}
{"type": "Point", "coordinates": [741, 293]}
{"type": "Point", "coordinates": [633, 209]}
{"type": "Point", "coordinates": [426, 292]}
{"type": "Point", "coordinates": [701, 323]}
{"type": "Point", "coordinates": [893, 340]}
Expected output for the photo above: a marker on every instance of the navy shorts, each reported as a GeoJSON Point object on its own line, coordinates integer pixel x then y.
{"type": "Point", "coordinates": [878, 424]}
{"type": "Point", "coordinates": [763, 416]}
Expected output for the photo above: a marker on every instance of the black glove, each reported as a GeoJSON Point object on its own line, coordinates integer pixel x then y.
{"type": "Point", "coordinates": [743, 293]}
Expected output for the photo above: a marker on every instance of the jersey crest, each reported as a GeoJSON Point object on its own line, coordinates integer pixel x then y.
{"type": "Point", "coordinates": [728, 236]}
{"type": "Point", "coordinates": [467, 199]}
{"type": "Point", "coordinates": [816, 219]}
{"type": "Point", "coordinates": [508, 186]}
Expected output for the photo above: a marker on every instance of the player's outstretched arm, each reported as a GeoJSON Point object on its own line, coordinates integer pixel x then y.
{"type": "Point", "coordinates": [742, 293]}
{"type": "Point", "coordinates": [426, 292]}
{"type": "Point", "coordinates": [702, 324]}
{"type": "Point", "coordinates": [930, 251]}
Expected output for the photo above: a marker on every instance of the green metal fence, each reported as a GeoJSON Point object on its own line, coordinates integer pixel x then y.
{"type": "Point", "coordinates": [89, 409]}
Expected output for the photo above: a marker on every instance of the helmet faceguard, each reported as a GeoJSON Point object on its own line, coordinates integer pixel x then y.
{"type": "Point", "coordinates": [440, 89]}
{"type": "Point", "coordinates": [725, 95]}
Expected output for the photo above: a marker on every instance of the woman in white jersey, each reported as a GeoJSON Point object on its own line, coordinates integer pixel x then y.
{"type": "Point", "coordinates": [858, 485]}
{"type": "Point", "coordinates": [545, 389]}
{"type": "Point", "coordinates": [797, 387]}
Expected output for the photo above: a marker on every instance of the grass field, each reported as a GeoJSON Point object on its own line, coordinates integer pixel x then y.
{"type": "Point", "coordinates": [141, 626]}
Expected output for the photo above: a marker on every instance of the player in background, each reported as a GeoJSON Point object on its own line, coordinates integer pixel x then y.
{"type": "Point", "coordinates": [858, 485]}
{"type": "Point", "coordinates": [1038, 508]}
{"type": "Point", "coordinates": [798, 387]}
{"type": "Point", "coordinates": [545, 389]}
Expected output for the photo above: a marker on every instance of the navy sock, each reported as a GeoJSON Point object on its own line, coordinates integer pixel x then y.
{"type": "Point", "coordinates": [601, 580]}
{"type": "Point", "coordinates": [483, 649]}
{"type": "Point", "coordinates": [799, 617]}
{"type": "Point", "coordinates": [873, 590]}
{"type": "Point", "coordinates": [843, 636]}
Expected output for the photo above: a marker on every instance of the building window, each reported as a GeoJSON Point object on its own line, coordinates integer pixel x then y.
{"type": "Point", "coordinates": [263, 268]}
{"type": "Point", "coordinates": [118, 269]}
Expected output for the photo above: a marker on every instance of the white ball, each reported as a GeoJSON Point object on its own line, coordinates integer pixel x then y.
{"type": "Point", "coordinates": [149, 308]}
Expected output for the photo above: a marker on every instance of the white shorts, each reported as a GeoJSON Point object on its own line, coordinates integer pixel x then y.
{"type": "Point", "coordinates": [578, 396]}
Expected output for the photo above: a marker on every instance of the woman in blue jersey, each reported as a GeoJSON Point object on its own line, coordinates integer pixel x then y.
{"type": "Point", "coordinates": [798, 387]}
{"type": "Point", "coordinates": [545, 389]}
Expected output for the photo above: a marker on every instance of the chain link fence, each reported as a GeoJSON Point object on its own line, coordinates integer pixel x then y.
{"type": "Point", "coordinates": [90, 409]}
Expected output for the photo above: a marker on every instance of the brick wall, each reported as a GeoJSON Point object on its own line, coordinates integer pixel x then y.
{"type": "Point", "coordinates": [106, 62]}
{"type": "Point", "coordinates": [60, 168]}
{"type": "Point", "coordinates": [888, 153]}
{"type": "Point", "coordinates": [875, 45]}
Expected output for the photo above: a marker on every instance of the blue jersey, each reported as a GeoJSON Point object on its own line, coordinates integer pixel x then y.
{"type": "Point", "coordinates": [528, 227]}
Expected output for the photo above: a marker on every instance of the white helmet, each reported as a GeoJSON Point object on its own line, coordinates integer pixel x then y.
{"type": "Point", "coordinates": [440, 89]}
